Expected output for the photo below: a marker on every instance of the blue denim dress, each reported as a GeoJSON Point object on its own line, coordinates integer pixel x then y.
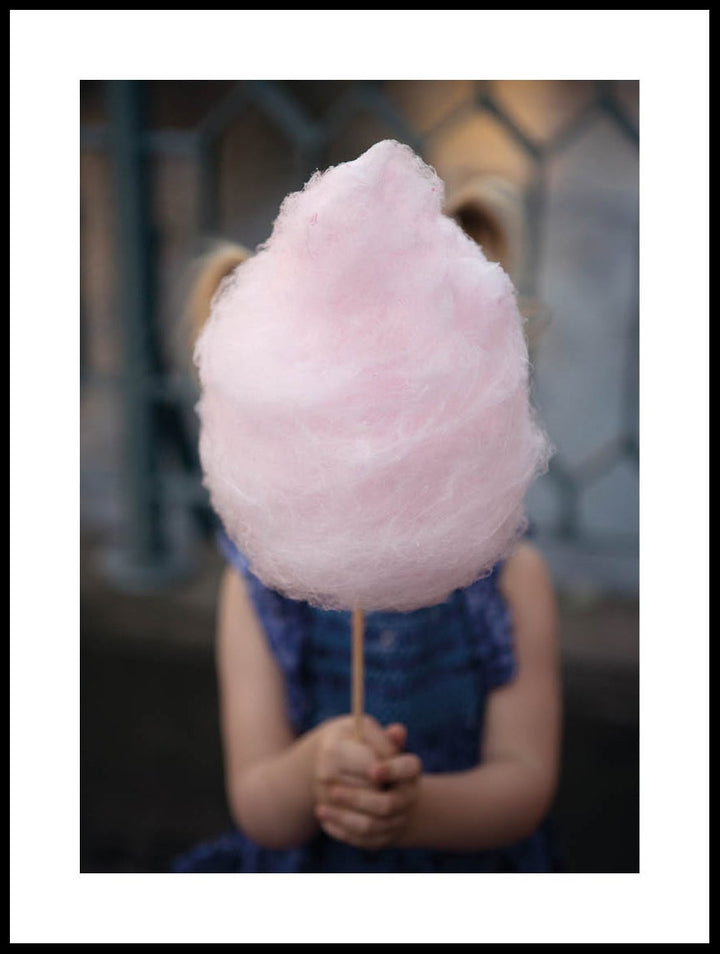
{"type": "Point", "coordinates": [432, 670]}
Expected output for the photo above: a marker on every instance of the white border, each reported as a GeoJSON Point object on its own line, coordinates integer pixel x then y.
{"type": "Point", "coordinates": [50, 52]}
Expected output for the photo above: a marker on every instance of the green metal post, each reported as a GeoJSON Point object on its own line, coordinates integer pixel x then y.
{"type": "Point", "coordinates": [146, 559]}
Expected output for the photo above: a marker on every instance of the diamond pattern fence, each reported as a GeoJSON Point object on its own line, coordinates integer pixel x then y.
{"type": "Point", "coordinates": [167, 166]}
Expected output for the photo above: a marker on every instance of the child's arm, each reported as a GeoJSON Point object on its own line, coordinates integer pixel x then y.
{"type": "Point", "coordinates": [508, 794]}
{"type": "Point", "coordinates": [273, 778]}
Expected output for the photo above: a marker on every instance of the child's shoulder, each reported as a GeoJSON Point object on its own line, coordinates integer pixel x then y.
{"type": "Point", "coordinates": [525, 577]}
{"type": "Point", "coordinates": [526, 564]}
{"type": "Point", "coordinates": [527, 586]}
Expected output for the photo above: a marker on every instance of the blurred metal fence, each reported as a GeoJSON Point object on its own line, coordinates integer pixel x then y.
{"type": "Point", "coordinates": [156, 400]}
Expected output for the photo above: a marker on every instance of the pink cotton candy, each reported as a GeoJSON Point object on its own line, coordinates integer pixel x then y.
{"type": "Point", "coordinates": [366, 434]}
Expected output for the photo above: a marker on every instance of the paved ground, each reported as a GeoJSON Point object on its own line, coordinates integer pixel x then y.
{"type": "Point", "coordinates": [151, 773]}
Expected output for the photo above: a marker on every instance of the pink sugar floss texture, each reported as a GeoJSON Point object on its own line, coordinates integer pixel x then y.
{"type": "Point", "coordinates": [366, 433]}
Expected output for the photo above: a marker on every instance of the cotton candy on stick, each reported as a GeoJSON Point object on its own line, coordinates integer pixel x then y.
{"type": "Point", "coordinates": [366, 433]}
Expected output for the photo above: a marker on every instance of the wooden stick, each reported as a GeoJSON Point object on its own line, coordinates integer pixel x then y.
{"type": "Point", "coordinates": [358, 670]}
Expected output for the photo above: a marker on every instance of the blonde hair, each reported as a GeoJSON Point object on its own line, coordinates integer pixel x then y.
{"type": "Point", "coordinates": [211, 269]}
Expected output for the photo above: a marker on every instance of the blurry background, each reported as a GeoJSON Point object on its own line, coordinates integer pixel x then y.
{"type": "Point", "coordinates": [545, 175]}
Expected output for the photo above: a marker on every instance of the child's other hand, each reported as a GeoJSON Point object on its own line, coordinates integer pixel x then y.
{"type": "Point", "coordinates": [342, 759]}
{"type": "Point", "coordinates": [373, 816]}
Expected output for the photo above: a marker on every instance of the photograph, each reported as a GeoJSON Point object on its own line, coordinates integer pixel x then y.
{"type": "Point", "coordinates": [359, 476]}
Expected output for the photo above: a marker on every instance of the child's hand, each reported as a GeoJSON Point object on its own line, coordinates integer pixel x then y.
{"type": "Point", "coordinates": [342, 759]}
{"type": "Point", "coordinates": [372, 816]}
